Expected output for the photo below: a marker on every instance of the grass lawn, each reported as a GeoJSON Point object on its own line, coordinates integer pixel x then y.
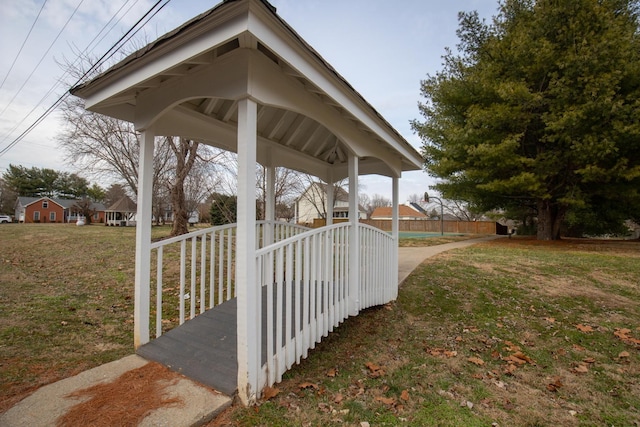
{"type": "Point", "coordinates": [66, 302]}
{"type": "Point", "coordinates": [513, 332]}
{"type": "Point", "coordinates": [510, 333]}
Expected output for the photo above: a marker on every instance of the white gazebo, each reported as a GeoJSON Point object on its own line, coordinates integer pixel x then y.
{"type": "Point", "coordinates": [240, 78]}
{"type": "Point", "coordinates": [121, 213]}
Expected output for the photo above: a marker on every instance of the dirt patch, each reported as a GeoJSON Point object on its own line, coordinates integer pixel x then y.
{"type": "Point", "coordinates": [125, 401]}
{"type": "Point", "coordinates": [569, 288]}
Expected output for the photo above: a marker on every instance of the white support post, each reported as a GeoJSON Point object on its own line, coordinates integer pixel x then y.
{"type": "Point", "coordinates": [143, 241]}
{"type": "Point", "coordinates": [270, 202]}
{"type": "Point", "coordinates": [354, 238]}
{"type": "Point", "coordinates": [248, 314]}
{"type": "Point", "coordinates": [330, 200]}
{"type": "Point", "coordinates": [395, 232]}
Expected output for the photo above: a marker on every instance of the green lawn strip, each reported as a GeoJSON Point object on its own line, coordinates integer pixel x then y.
{"type": "Point", "coordinates": [477, 336]}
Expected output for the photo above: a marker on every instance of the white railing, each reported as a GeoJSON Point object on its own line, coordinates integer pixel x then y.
{"type": "Point", "coordinates": [306, 292]}
{"type": "Point", "coordinates": [196, 271]}
{"type": "Point", "coordinates": [378, 267]}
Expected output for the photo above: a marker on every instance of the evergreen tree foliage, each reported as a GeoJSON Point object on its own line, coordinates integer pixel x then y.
{"type": "Point", "coordinates": [538, 111]}
{"type": "Point", "coordinates": [37, 182]}
{"type": "Point", "coordinates": [223, 209]}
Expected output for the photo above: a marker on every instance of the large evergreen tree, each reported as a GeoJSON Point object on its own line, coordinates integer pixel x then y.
{"type": "Point", "coordinates": [539, 110]}
{"type": "Point", "coordinates": [43, 182]}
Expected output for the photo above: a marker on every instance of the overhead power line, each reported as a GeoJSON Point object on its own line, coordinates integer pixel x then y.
{"type": "Point", "coordinates": [23, 43]}
{"type": "Point", "coordinates": [110, 52]}
{"type": "Point", "coordinates": [78, 58]}
{"type": "Point", "coordinates": [44, 55]}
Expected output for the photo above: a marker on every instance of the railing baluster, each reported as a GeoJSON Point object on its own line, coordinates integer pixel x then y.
{"type": "Point", "coordinates": [183, 252]}
{"type": "Point", "coordinates": [306, 291]}
{"type": "Point", "coordinates": [194, 245]}
{"type": "Point", "coordinates": [221, 266]}
{"type": "Point", "coordinates": [203, 273]}
{"type": "Point", "coordinates": [268, 280]}
{"type": "Point", "coordinates": [289, 279]}
{"type": "Point", "coordinates": [229, 271]}
{"type": "Point", "coordinates": [298, 289]}
{"type": "Point", "coordinates": [212, 269]}
{"type": "Point", "coordinates": [279, 311]}
{"type": "Point", "coordinates": [159, 292]}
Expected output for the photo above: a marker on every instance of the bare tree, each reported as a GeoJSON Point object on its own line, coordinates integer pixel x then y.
{"type": "Point", "coordinates": [287, 186]}
{"type": "Point", "coordinates": [461, 210]}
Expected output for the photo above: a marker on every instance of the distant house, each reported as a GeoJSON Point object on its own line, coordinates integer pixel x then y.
{"type": "Point", "coordinates": [121, 213]}
{"type": "Point", "coordinates": [404, 213]}
{"type": "Point", "coordinates": [52, 210]}
{"type": "Point", "coordinates": [312, 204]}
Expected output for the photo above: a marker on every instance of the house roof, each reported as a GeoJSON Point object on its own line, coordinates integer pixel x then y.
{"type": "Point", "coordinates": [26, 201]}
{"type": "Point", "coordinates": [403, 212]}
{"type": "Point", "coordinates": [64, 203]}
{"type": "Point", "coordinates": [189, 81]}
{"type": "Point", "coordinates": [125, 204]}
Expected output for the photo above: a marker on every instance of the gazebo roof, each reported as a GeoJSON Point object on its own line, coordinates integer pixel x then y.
{"type": "Point", "coordinates": [124, 204]}
{"type": "Point", "coordinates": [188, 82]}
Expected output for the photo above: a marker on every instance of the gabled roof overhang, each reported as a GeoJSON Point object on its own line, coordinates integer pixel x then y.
{"type": "Point", "coordinates": [188, 82]}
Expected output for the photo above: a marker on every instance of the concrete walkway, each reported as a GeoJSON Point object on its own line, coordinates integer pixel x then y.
{"type": "Point", "coordinates": [201, 404]}
{"type": "Point", "coordinates": [410, 258]}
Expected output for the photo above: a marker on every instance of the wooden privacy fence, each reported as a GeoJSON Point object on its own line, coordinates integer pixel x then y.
{"type": "Point", "coordinates": [426, 226]}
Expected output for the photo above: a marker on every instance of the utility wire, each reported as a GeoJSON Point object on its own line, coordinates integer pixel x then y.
{"type": "Point", "coordinates": [23, 43]}
{"type": "Point", "coordinates": [42, 58]}
{"type": "Point", "coordinates": [78, 58]}
{"type": "Point", "coordinates": [109, 53]}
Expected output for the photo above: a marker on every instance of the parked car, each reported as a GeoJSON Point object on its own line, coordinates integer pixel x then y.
{"type": "Point", "coordinates": [5, 219]}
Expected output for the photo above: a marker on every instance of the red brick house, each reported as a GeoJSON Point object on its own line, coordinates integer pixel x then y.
{"type": "Point", "coordinates": [51, 210]}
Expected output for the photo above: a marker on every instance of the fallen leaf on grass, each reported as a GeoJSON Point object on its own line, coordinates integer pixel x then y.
{"type": "Point", "coordinates": [476, 361]}
{"type": "Point", "coordinates": [332, 372]}
{"type": "Point", "coordinates": [338, 398]}
{"type": "Point", "coordinates": [404, 395]}
{"type": "Point", "coordinates": [441, 352]}
{"type": "Point", "coordinates": [511, 346]}
{"type": "Point", "coordinates": [386, 400]}
{"type": "Point", "coordinates": [589, 360]}
{"type": "Point", "coordinates": [270, 392]}
{"type": "Point", "coordinates": [510, 369]}
{"type": "Point", "coordinates": [623, 334]}
{"type": "Point", "coordinates": [550, 319]}
{"type": "Point", "coordinates": [555, 385]}
{"type": "Point", "coordinates": [375, 371]}
{"type": "Point", "coordinates": [520, 355]}
{"type": "Point", "coordinates": [577, 347]}
{"type": "Point", "coordinates": [580, 369]}
{"type": "Point", "coordinates": [308, 384]}
{"type": "Point", "coordinates": [623, 355]}
{"type": "Point", "coordinates": [584, 328]}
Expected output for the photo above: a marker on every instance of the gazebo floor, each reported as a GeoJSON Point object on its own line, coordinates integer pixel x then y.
{"type": "Point", "coordinates": [203, 348]}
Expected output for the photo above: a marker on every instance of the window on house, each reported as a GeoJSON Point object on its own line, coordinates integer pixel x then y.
{"type": "Point", "coordinates": [36, 216]}
{"type": "Point", "coordinates": [45, 204]}
{"type": "Point", "coordinates": [52, 216]}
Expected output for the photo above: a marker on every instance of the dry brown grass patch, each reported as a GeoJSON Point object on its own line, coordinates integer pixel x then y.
{"type": "Point", "coordinates": [123, 402]}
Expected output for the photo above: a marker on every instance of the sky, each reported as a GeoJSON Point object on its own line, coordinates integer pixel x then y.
{"type": "Point", "coordinates": [382, 48]}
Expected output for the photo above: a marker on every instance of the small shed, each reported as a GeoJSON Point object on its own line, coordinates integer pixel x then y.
{"type": "Point", "coordinates": [121, 213]}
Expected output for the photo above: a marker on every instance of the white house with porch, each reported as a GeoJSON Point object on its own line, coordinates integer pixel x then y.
{"type": "Point", "coordinates": [252, 297]}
